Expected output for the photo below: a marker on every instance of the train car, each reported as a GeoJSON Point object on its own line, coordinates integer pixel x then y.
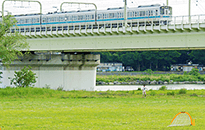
{"type": "Point", "coordinates": [86, 19]}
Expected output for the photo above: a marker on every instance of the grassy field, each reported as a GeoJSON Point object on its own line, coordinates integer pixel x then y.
{"type": "Point", "coordinates": [34, 108]}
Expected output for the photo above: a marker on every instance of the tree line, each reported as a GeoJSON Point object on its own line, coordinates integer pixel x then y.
{"type": "Point", "coordinates": [154, 60]}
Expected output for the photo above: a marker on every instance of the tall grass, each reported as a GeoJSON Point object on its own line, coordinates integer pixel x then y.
{"type": "Point", "coordinates": [30, 92]}
{"type": "Point", "coordinates": [154, 77]}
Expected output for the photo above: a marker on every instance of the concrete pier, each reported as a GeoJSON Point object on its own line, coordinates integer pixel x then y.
{"type": "Point", "coordinates": [68, 71]}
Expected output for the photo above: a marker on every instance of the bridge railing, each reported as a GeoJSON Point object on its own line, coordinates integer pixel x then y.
{"type": "Point", "coordinates": [102, 27]}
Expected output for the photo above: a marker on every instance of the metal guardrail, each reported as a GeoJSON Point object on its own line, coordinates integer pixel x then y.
{"type": "Point", "coordinates": [115, 27]}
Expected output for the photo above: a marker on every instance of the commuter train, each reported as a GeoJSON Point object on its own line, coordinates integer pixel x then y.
{"type": "Point", "coordinates": [69, 20]}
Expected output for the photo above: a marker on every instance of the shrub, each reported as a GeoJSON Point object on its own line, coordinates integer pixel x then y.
{"type": "Point", "coordinates": [47, 86]}
{"type": "Point", "coordinates": [182, 91]}
{"type": "Point", "coordinates": [163, 88]}
{"type": "Point", "coordinates": [171, 93]}
{"type": "Point", "coordinates": [185, 73]}
{"type": "Point", "coordinates": [194, 72]}
{"type": "Point", "coordinates": [60, 88]}
{"type": "Point", "coordinates": [149, 71]}
{"type": "Point", "coordinates": [24, 78]}
{"type": "Point", "coordinates": [152, 93]}
{"type": "Point", "coordinates": [194, 94]}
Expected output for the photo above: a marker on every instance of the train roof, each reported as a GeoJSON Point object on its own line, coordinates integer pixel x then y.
{"type": "Point", "coordinates": [78, 11]}
{"type": "Point", "coordinates": [116, 8]}
{"type": "Point", "coordinates": [144, 6]}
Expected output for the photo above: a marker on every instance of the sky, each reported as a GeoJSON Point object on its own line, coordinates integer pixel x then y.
{"type": "Point", "coordinates": [180, 7]}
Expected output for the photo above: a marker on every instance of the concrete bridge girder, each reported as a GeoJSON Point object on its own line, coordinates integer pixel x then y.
{"type": "Point", "coordinates": [75, 72]}
{"type": "Point", "coordinates": [127, 42]}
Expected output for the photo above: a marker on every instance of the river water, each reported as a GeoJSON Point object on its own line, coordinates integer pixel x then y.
{"type": "Point", "coordinates": [153, 87]}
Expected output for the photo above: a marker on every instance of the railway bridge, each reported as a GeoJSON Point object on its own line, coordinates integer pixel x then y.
{"type": "Point", "coordinates": [63, 54]}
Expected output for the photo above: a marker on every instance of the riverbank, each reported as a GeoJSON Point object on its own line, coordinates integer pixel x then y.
{"type": "Point", "coordinates": [29, 92]}
{"type": "Point", "coordinates": [149, 87]}
{"type": "Point", "coordinates": [153, 79]}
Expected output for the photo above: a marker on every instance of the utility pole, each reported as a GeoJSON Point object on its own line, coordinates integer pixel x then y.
{"type": "Point", "coordinates": [125, 12]}
{"type": "Point", "coordinates": [167, 2]}
{"type": "Point", "coordinates": [61, 7]}
{"type": "Point", "coordinates": [21, 1]}
{"type": "Point", "coordinates": [189, 11]}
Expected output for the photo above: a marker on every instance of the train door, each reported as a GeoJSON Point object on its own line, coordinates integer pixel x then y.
{"type": "Point", "coordinates": [166, 11]}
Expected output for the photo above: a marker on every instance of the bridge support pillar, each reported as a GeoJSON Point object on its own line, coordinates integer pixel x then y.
{"type": "Point", "coordinates": [67, 71]}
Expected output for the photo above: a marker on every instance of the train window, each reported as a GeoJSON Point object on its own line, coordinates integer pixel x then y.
{"type": "Point", "coordinates": [74, 17]}
{"type": "Point", "coordinates": [44, 20]}
{"type": "Point", "coordinates": [83, 17]}
{"type": "Point", "coordinates": [71, 18]}
{"type": "Point", "coordinates": [151, 12]}
{"type": "Point", "coordinates": [111, 15]}
{"type": "Point", "coordinates": [142, 13]}
{"type": "Point", "coordinates": [147, 13]}
{"type": "Point", "coordinates": [92, 16]}
{"type": "Point", "coordinates": [133, 14]}
{"type": "Point", "coordinates": [87, 17]}
{"type": "Point", "coordinates": [27, 21]}
{"type": "Point", "coordinates": [80, 17]}
{"type": "Point", "coordinates": [66, 18]}
{"type": "Point", "coordinates": [99, 16]}
{"type": "Point", "coordinates": [156, 12]}
{"type": "Point", "coordinates": [38, 20]}
{"type": "Point", "coordinates": [138, 14]}
{"type": "Point", "coordinates": [170, 10]}
{"type": "Point", "coordinates": [129, 14]}
{"type": "Point", "coordinates": [61, 19]}
{"type": "Point", "coordinates": [54, 19]}
{"type": "Point", "coordinates": [21, 21]}
{"type": "Point", "coordinates": [115, 15]}
{"type": "Point", "coordinates": [104, 16]}
{"type": "Point", "coordinates": [33, 20]}
{"type": "Point", "coordinates": [119, 15]}
{"type": "Point", "coordinates": [161, 11]}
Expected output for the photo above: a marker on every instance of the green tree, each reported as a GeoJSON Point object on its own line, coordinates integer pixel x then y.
{"type": "Point", "coordinates": [11, 44]}
{"type": "Point", "coordinates": [24, 78]}
{"type": "Point", "coordinates": [194, 72]}
{"type": "Point", "coordinates": [198, 56]}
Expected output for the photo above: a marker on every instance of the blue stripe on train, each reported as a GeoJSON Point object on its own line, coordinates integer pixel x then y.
{"type": "Point", "coordinates": [103, 20]}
